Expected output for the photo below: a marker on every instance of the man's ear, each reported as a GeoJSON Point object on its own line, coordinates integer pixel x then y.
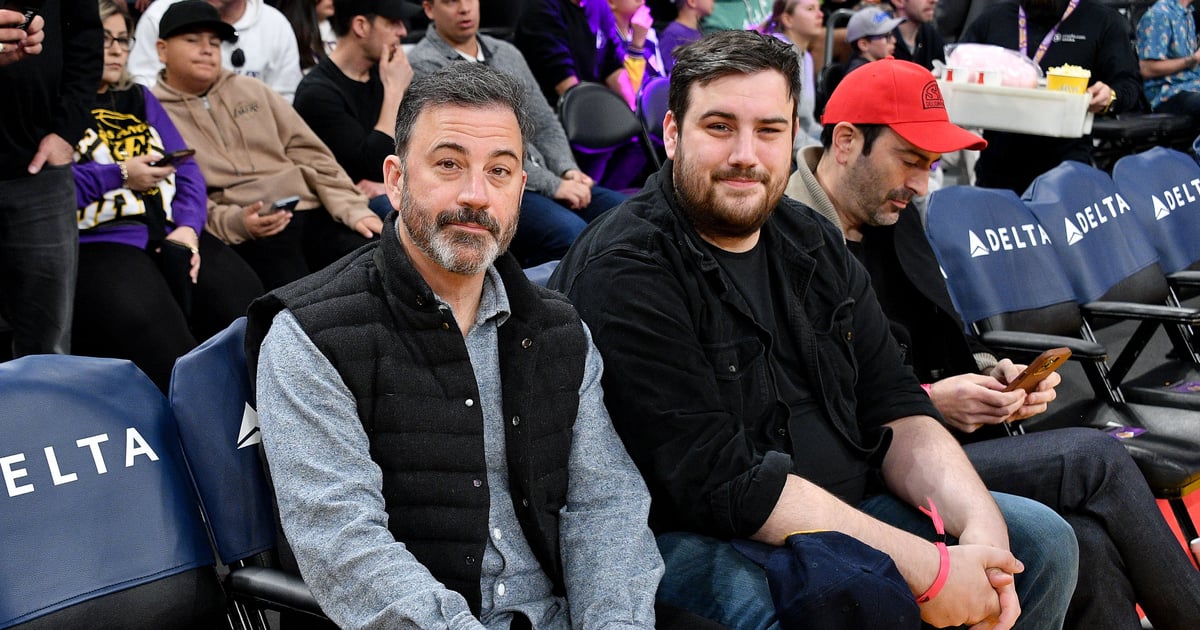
{"type": "Point", "coordinates": [670, 134]}
{"type": "Point", "coordinates": [842, 144]}
{"type": "Point", "coordinates": [359, 26]}
{"type": "Point", "coordinates": [393, 172]}
{"type": "Point", "coordinates": [161, 46]}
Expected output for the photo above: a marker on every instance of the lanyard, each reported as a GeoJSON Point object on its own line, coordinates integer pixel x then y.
{"type": "Point", "coordinates": [1048, 39]}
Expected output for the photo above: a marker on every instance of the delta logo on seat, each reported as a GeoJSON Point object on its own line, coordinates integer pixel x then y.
{"type": "Point", "coordinates": [1076, 226]}
{"type": "Point", "coordinates": [249, 433]}
{"type": "Point", "coordinates": [1007, 238]}
{"type": "Point", "coordinates": [12, 470]}
{"type": "Point", "coordinates": [1176, 197]}
{"type": "Point", "coordinates": [1093, 216]}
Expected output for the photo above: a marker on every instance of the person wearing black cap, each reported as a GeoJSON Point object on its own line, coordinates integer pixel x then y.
{"type": "Point", "coordinates": [255, 150]}
{"type": "Point", "coordinates": [750, 372]}
{"type": "Point", "coordinates": [265, 47]}
{"type": "Point", "coordinates": [350, 98]}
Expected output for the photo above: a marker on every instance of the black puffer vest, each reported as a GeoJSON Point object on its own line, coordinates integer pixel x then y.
{"type": "Point", "coordinates": [406, 363]}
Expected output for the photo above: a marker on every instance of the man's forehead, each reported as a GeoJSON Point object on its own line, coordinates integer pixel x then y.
{"type": "Point", "coordinates": [768, 89]}
{"type": "Point", "coordinates": [494, 125]}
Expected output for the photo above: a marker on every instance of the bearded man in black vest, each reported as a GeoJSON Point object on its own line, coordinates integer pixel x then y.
{"type": "Point", "coordinates": [433, 422]}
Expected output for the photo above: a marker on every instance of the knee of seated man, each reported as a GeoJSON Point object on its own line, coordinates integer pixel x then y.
{"type": "Point", "coordinates": [1041, 540]}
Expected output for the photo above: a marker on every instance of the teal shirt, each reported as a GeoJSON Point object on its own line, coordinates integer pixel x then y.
{"type": "Point", "coordinates": [737, 15]}
{"type": "Point", "coordinates": [1167, 31]}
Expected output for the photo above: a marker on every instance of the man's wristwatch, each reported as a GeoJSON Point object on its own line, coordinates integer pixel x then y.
{"type": "Point", "coordinates": [1112, 98]}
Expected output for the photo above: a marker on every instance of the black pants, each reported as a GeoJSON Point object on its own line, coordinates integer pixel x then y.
{"type": "Point", "coordinates": [311, 241]}
{"type": "Point", "coordinates": [124, 307]}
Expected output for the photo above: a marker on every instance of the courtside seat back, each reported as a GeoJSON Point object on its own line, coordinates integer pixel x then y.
{"type": "Point", "coordinates": [996, 258]}
{"type": "Point", "coordinates": [1163, 186]}
{"type": "Point", "coordinates": [218, 424]}
{"type": "Point", "coordinates": [1094, 230]}
{"type": "Point", "coordinates": [96, 498]}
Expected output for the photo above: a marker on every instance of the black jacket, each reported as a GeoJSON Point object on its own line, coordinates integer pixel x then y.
{"type": "Point", "coordinates": [686, 378]}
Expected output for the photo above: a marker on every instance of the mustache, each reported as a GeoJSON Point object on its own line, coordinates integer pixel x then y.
{"type": "Point", "coordinates": [741, 173]}
{"type": "Point", "coordinates": [469, 215]}
{"type": "Point", "coordinates": [900, 194]}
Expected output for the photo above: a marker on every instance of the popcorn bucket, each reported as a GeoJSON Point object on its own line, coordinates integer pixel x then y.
{"type": "Point", "coordinates": [1072, 80]}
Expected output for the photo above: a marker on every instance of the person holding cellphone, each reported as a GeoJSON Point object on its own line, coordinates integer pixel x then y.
{"type": "Point", "coordinates": [863, 180]}
{"type": "Point", "coordinates": [142, 292]}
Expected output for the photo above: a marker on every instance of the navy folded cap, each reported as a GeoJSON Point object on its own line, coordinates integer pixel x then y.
{"type": "Point", "coordinates": [828, 580]}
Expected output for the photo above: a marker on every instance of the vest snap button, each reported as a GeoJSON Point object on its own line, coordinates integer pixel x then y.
{"type": "Point", "coordinates": [477, 482]}
{"type": "Point", "coordinates": [526, 342]}
{"type": "Point", "coordinates": [470, 559]}
{"type": "Point", "coordinates": [445, 326]}
{"type": "Point", "coordinates": [524, 502]}
{"type": "Point", "coordinates": [516, 421]}
{"type": "Point", "coordinates": [470, 403]}
{"type": "Point", "coordinates": [732, 369]}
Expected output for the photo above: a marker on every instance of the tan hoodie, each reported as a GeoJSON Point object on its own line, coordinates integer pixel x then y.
{"type": "Point", "coordinates": [252, 146]}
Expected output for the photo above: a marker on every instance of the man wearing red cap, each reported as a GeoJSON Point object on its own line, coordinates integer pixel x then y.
{"type": "Point", "coordinates": [751, 375]}
{"type": "Point", "coordinates": [864, 188]}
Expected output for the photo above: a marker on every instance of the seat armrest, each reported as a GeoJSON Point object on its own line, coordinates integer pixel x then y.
{"type": "Point", "coordinates": [1185, 278]}
{"type": "Point", "coordinates": [273, 588]}
{"type": "Point", "coordinates": [1144, 312]}
{"type": "Point", "coordinates": [1016, 341]}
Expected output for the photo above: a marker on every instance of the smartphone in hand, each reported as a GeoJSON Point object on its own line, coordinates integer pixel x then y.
{"type": "Point", "coordinates": [27, 8]}
{"type": "Point", "coordinates": [173, 157]}
{"type": "Point", "coordinates": [287, 203]}
{"type": "Point", "coordinates": [1038, 369]}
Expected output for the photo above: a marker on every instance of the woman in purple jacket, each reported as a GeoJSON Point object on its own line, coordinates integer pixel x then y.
{"type": "Point", "coordinates": [143, 293]}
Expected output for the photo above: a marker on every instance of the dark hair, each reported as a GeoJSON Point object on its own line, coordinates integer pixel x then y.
{"type": "Point", "coordinates": [340, 21]}
{"type": "Point", "coordinates": [731, 52]}
{"type": "Point", "coordinates": [464, 84]}
{"type": "Point", "coordinates": [870, 134]}
{"type": "Point", "coordinates": [302, 15]}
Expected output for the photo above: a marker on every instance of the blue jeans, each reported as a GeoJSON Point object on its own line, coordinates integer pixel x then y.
{"type": "Point", "coordinates": [39, 253]}
{"type": "Point", "coordinates": [710, 578]}
{"type": "Point", "coordinates": [547, 228]}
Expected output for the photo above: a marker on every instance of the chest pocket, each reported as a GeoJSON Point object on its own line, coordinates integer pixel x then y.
{"type": "Point", "coordinates": [835, 349]}
{"type": "Point", "coordinates": [740, 368]}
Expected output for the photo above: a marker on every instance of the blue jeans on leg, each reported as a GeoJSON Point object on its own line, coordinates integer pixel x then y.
{"type": "Point", "coordinates": [1038, 537]}
{"type": "Point", "coordinates": [547, 228]}
{"type": "Point", "coordinates": [710, 578]}
{"type": "Point", "coordinates": [39, 253]}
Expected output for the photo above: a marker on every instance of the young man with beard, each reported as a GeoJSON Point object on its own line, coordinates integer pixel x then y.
{"type": "Point", "coordinates": [433, 422]}
{"type": "Point", "coordinates": [917, 37]}
{"type": "Point", "coordinates": [1052, 33]}
{"type": "Point", "coordinates": [751, 374]}
{"type": "Point", "coordinates": [875, 159]}
{"type": "Point", "coordinates": [350, 98]}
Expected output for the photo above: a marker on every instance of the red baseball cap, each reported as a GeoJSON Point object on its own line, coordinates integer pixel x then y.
{"type": "Point", "coordinates": [903, 96]}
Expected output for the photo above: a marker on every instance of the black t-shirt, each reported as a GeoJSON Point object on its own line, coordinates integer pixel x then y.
{"type": "Point", "coordinates": [929, 46]}
{"type": "Point", "coordinates": [819, 453]}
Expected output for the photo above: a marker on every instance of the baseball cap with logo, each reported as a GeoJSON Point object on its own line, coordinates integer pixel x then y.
{"type": "Point", "coordinates": [903, 96]}
{"type": "Point", "coordinates": [191, 16]}
{"type": "Point", "coordinates": [829, 581]}
{"type": "Point", "coordinates": [870, 21]}
{"type": "Point", "coordinates": [390, 9]}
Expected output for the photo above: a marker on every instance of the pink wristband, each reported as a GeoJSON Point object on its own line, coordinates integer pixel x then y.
{"type": "Point", "coordinates": [943, 553]}
{"type": "Point", "coordinates": [926, 387]}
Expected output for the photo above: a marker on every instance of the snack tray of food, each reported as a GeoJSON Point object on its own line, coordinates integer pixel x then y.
{"type": "Point", "coordinates": [1036, 111]}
